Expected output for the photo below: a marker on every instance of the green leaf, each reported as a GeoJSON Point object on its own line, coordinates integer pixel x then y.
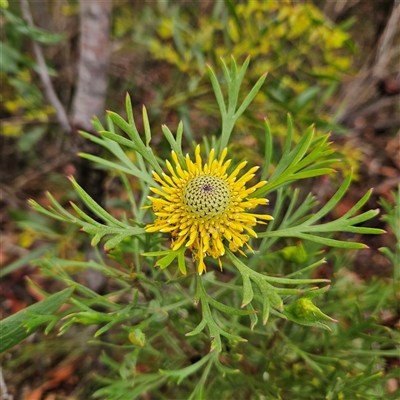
{"type": "Point", "coordinates": [167, 260]}
{"type": "Point", "coordinates": [146, 124]}
{"type": "Point", "coordinates": [133, 231]}
{"type": "Point", "coordinates": [90, 317]}
{"type": "Point", "coordinates": [304, 98]}
{"type": "Point", "coordinates": [13, 330]}
{"type": "Point", "coordinates": [268, 292]}
{"type": "Point", "coordinates": [86, 217]}
{"type": "Point", "coordinates": [95, 207]}
{"type": "Point", "coordinates": [268, 149]}
{"type": "Point", "coordinates": [118, 139]}
{"type": "Point", "coordinates": [155, 253]}
{"type": "Point", "coordinates": [217, 90]}
{"type": "Point", "coordinates": [174, 144]}
{"type": "Point", "coordinates": [30, 138]}
{"type": "Point", "coordinates": [198, 328]}
{"type": "Point", "coordinates": [250, 97]}
{"type": "Point", "coordinates": [181, 374]}
{"type": "Point", "coordinates": [10, 58]}
{"type": "Point", "coordinates": [36, 34]}
{"type": "Point", "coordinates": [265, 312]}
{"type": "Point", "coordinates": [253, 317]}
{"type": "Point", "coordinates": [169, 257]}
{"type": "Point", "coordinates": [32, 255]}
{"type": "Point", "coordinates": [247, 290]}
{"type": "Point", "coordinates": [135, 141]}
{"type": "Point", "coordinates": [181, 262]}
{"type": "Point", "coordinates": [227, 309]}
{"type": "Point", "coordinates": [112, 166]}
{"type": "Point", "coordinates": [333, 201]}
{"type": "Point", "coordinates": [233, 81]}
{"type": "Point", "coordinates": [295, 164]}
{"type": "Point", "coordinates": [332, 242]}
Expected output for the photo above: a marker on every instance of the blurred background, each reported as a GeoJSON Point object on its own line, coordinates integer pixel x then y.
{"type": "Point", "coordinates": [331, 63]}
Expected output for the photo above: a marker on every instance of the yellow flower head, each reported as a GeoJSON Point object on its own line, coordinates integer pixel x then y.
{"type": "Point", "coordinates": [201, 205]}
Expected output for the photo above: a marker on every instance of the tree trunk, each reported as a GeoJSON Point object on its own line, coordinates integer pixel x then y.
{"type": "Point", "coordinates": [93, 64]}
{"type": "Point", "coordinates": [91, 89]}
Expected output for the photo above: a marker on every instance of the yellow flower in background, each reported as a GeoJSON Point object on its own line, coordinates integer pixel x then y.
{"type": "Point", "coordinates": [203, 205]}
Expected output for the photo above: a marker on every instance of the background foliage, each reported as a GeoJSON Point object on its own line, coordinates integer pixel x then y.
{"type": "Point", "coordinates": [123, 335]}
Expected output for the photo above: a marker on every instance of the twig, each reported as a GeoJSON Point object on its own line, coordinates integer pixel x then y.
{"type": "Point", "coordinates": [378, 105]}
{"type": "Point", "coordinates": [42, 169]}
{"type": "Point", "coordinates": [44, 75]}
{"type": "Point", "coordinates": [9, 196]}
{"type": "Point", "coordinates": [360, 97]}
{"type": "Point", "coordinates": [335, 9]}
{"type": "Point", "coordinates": [3, 389]}
{"type": "Point", "coordinates": [382, 54]}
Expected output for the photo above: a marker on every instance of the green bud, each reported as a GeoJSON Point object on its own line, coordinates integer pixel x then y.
{"type": "Point", "coordinates": [295, 254]}
{"type": "Point", "coordinates": [137, 337]}
{"type": "Point", "coordinates": [89, 318]}
{"type": "Point", "coordinates": [304, 312]}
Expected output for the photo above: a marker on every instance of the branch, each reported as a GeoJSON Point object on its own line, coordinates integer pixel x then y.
{"type": "Point", "coordinates": [385, 42]}
{"type": "Point", "coordinates": [336, 9]}
{"type": "Point", "coordinates": [44, 75]}
{"type": "Point", "coordinates": [362, 92]}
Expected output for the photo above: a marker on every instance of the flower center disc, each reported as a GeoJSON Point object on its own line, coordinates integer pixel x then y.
{"type": "Point", "coordinates": [207, 196]}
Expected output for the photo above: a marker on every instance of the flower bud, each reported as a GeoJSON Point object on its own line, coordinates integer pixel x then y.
{"type": "Point", "coordinates": [304, 312]}
{"type": "Point", "coordinates": [137, 337]}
